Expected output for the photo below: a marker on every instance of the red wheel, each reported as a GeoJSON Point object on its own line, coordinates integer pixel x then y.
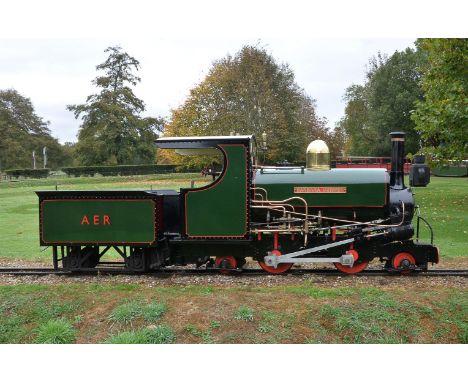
{"type": "Point", "coordinates": [282, 268]}
{"type": "Point", "coordinates": [356, 268]}
{"type": "Point", "coordinates": [231, 260]}
{"type": "Point", "coordinates": [402, 260]}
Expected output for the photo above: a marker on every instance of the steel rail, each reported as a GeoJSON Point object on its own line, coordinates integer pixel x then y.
{"type": "Point", "coordinates": [16, 271]}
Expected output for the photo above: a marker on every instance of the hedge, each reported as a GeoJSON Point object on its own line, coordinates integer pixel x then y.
{"type": "Point", "coordinates": [140, 169]}
{"type": "Point", "coordinates": [28, 172]}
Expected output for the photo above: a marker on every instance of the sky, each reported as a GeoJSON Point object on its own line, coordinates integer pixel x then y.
{"type": "Point", "coordinates": [49, 53]}
{"type": "Point", "coordinates": [54, 73]}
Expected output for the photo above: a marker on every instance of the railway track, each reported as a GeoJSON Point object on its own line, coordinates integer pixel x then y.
{"type": "Point", "coordinates": [16, 271]}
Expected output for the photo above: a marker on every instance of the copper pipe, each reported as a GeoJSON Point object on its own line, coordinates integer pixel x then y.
{"type": "Point", "coordinates": [275, 208]}
{"type": "Point", "coordinates": [306, 224]}
{"type": "Point", "coordinates": [256, 231]}
{"type": "Point", "coordinates": [273, 204]}
{"type": "Point", "coordinates": [262, 189]}
{"type": "Point", "coordinates": [360, 223]}
{"type": "Point", "coordinates": [281, 204]}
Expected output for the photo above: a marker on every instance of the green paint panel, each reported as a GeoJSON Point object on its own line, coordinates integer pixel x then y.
{"type": "Point", "coordinates": [110, 221]}
{"type": "Point", "coordinates": [365, 188]}
{"type": "Point", "coordinates": [221, 209]}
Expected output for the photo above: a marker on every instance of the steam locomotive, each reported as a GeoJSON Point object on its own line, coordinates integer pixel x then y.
{"type": "Point", "coordinates": [277, 216]}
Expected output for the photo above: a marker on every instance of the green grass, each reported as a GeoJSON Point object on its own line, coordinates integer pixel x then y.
{"type": "Point", "coordinates": [277, 326]}
{"type": "Point", "coordinates": [215, 324]}
{"type": "Point", "coordinates": [153, 311]}
{"type": "Point", "coordinates": [58, 331]}
{"type": "Point", "coordinates": [19, 218]}
{"type": "Point", "coordinates": [64, 181]}
{"type": "Point", "coordinates": [161, 334]}
{"type": "Point", "coordinates": [79, 313]}
{"type": "Point", "coordinates": [26, 307]}
{"type": "Point", "coordinates": [244, 313]}
{"type": "Point", "coordinates": [124, 314]}
{"type": "Point", "coordinates": [127, 312]}
{"type": "Point", "coordinates": [382, 317]}
{"type": "Point", "coordinates": [444, 203]}
{"type": "Point", "coordinates": [205, 336]}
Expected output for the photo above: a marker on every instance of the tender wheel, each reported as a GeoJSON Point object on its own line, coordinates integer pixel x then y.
{"type": "Point", "coordinates": [403, 261]}
{"type": "Point", "coordinates": [137, 261]}
{"type": "Point", "coordinates": [356, 268]}
{"type": "Point", "coordinates": [226, 263]}
{"type": "Point", "coordinates": [282, 268]}
{"type": "Point", "coordinates": [78, 258]}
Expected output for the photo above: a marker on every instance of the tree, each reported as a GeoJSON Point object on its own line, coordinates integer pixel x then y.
{"type": "Point", "coordinates": [112, 131]}
{"type": "Point", "coordinates": [442, 116]}
{"type": "Point", "coordinates": [355, 122]}
{"type": "Point", "coordinates": [68, 154]}
{"type": "Point", "coordinates": [338, 142]}
{"type": "Point", "coordinates": [384, 103]}
{"type": "Point", "coordinates": [22, 131]}
{"type": "Point", "coordinates": [250, 93]}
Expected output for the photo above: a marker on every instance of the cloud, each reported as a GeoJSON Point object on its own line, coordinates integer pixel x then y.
{"type": "Point", "coordinates": [58, 72]}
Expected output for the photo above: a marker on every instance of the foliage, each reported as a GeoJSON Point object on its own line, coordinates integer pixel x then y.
{"type": "Point", "coordinates": [127, 312]}
{"type": "Point", "coordinates": [112, 131]}
{"type": "Point", "coordinates": [250, 93]}
{"type": "Point", "coordinates": [244, 313]}
{"type": "Point", "coordinates": [28, 172]}
{"type": "Point", "coordinates": [452, 169]}
{"type": "Point", "coordinates": [56, 331]}
{"type": "Point", "coordinates": [384, 104]}
{"type": "Point", "coordinates": [338, 141]}
{"type": "Point", "coordinates": [355, 121]}
{"type": "Point", "coordinates": [22, 131]}
{"type": "Point", "coordinates": [153, 311]}
{"type": "Point", "coordinates": [68, 149]}
{"type": "Point", "coordinates": [206, 336]}
{"type": "Point", "coordinates": [123, 170]}
{"type": "Point", "coordinates": [433, 313]}
{"type": "Point", "coordinates": [160, 334]}
{"type": "Point", "coordinates": [442, 116]}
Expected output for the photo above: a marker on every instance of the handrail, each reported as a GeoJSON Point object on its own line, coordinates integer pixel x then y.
{"type": "Point", "coordinates": [428, 225]}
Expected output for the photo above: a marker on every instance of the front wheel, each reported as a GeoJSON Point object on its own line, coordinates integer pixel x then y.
{"type": "Point", "coordinates": [403, 262]}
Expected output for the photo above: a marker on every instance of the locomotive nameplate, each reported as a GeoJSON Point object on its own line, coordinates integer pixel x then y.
{"type": "Point", "coordinates": [94, 221]}
{"type": "Point", "coordinates": [320, 190]}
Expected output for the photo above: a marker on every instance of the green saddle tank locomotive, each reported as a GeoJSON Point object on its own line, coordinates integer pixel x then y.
{"type": "Point", "coordinates": [277, 216]}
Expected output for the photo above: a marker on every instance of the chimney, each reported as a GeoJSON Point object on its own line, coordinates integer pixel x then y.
{"type": "Point", "coordinates": [398, 160]}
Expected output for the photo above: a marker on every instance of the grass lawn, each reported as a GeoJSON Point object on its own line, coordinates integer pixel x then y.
{"type": "Point", "coordinates": [133, 313]}
{"type": "Point", "coordinates": [19, 225]}
{"type": "Point", "coordinates": [444, 203]}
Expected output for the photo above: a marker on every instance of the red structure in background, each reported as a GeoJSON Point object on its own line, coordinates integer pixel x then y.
{"type": "Point", "coordinates": [367, 162]}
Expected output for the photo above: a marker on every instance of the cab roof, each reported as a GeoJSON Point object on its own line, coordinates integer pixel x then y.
{"type": "Point", "coordinates": [202, 141]}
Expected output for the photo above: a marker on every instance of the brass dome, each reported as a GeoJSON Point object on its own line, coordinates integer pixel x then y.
{"type": "Point", "coordinates": [318, 156]}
